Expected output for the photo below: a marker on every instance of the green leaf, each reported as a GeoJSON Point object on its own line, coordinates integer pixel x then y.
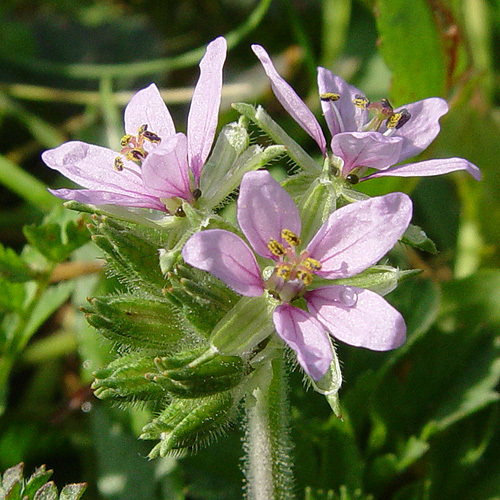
{"type": "Point", "coordinates": [12, 296]}
{"type": "Point", "coordinates": [73, 491]}
{"type": "Point", "coordinates": [46, 492]}
{"type": "Point", "coordinates": [13, 267]}
{"type": "Point", "coordinates": [411, 46]}
{"type": "Point", "coordinates": [417, 238]}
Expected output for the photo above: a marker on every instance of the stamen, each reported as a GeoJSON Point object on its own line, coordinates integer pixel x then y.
{"type": "Point", "coordinates": [124, 141]}
{"type": "Point", "coordinates": [276, 248]}
{"type": "Point", "coordinates": [304, 276]}
{"type": "Point", "coordinates": [142, 129]}
{"type": "Point", "coordinates": [283, 270]}
{"type": "Point", "coordinates": [136, 155]}
{"type": "Point", "coordinates": [397, 120]}
{"type": "Point", "coordinates": [360, 101]}
{"type": "Point", "coordinates": [290, 237]}
{"type": "Point", "coordinates": [118, 164]}
{"type": "Point", "coordinates": [312, 264]}
{"type": "Point", "coordinates": [151, 137]}
{"type": "Point", "coordinates": [329, 96]}
{"type": "Point", "coordinates": [386, 106]}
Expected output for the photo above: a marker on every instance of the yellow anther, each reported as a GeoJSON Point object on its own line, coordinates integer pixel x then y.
{"type": "Point", "coordinates": [397, 120]}
{"type": "Point", "coordinates": [118, 164]}
{"type": "Point", "coordinates": [329, 96]}
{"type": "Point", "coordinates": [290, 237]}
{"type": "Point", "coordinates": [276, 248]}
{"type": "Point", "coordinates": [142, 129]}
{"type": "Point", "coordinates": [312, 264]}
{"type": "Point", "coordinates": [124, 141]}
{"type": "Point", "coordinates": [136, 155]}
{"type": "Point", "coordinates": [283, 271]}
{"type": "Point", "coordinates": [360, 101]}
{"type": "Point", "coordinates": [305, 277]}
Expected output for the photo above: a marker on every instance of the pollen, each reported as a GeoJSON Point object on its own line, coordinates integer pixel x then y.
{"type": "Point", "coordinates": [125, 140]}
{"type": "Point", "coordinates": [305, 276]}
{"type": "Point", "coordinates": [360, 101]}
{"type": "Point", "coordinates": [276, 248]}
{"type": "Point", "coordinates": [290, 237]}
{"type": "Point", "coordinates": [329, 97]}
{"type": "Point", "coordinates": [118, 164]}
{"type": "Point", "coordinates": [397, 120]}
{"type": "Point", "coordinates": [312, 264]}
{"type": "Point", "coordinates": [283, 270]}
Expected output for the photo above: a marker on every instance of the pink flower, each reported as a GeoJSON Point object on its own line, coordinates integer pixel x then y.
{"type": "Point", "coordinates": [352, 239]}
{"type": "Point", "coordinates": [155, 163]}
{"type": "Point", "coordinates": [388, 138]}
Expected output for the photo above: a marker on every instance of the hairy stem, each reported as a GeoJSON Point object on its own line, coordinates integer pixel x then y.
{"type": "Point", "coordinates": [268, 464]}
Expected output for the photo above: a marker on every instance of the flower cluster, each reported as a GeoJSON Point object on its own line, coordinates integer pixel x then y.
{"type": "Point", "coordinates": [157, 168]}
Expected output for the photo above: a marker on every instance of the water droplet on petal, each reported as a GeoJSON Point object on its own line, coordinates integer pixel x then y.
{"type": "Point", "coordinates": [348, 297]}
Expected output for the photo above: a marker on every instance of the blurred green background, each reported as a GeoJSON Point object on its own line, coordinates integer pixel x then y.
{"type": "Point", "coordinates": [419, 423]}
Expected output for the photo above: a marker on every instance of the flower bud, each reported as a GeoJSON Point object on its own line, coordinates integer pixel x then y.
{"type": "Point", "coordinates": [125, 379]}
{"type": "Point", "coordinates": [142, 323]}
{"type": "Point", "coordinates": [188, 423]}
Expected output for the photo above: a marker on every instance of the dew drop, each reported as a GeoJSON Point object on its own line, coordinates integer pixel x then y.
{"type": "Point", "coordinates": [348, 297]}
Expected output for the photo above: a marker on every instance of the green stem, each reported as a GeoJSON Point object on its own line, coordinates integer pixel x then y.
{"type": "Point", "coordinates": [26, 186]}
{"type": "Point", "coordinates": [268, 467]}
{"type": "Point", "coordinates": [134, 70]}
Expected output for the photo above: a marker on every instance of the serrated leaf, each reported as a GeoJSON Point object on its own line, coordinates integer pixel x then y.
{"type": "Point", "coordinates": [36, 481]}
{"type": "Point", "coordinates": [408, 34]}
{"type": "Point", "coordinates": [73, 491]}
{"type": "Point", "coordinates": [13, 267]}
{"type": "Point", "coordinates": [416, 237]}
{"type": "Point", "coordinates": [12, 475]}
{"type": "Point", "coordinates": [46, 492]}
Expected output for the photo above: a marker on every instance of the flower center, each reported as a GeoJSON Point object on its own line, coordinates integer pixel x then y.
{"type": "Point", "coordinates": [293, 271]}
{"type": "Point", "coordinates": [133, 146]}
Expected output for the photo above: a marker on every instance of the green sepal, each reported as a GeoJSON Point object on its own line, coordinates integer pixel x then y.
{"type": "Point", "coordinates": [416, 237]}
{"type": "Point", "coordinates": [128, 378]}
{"type": "Point", "coordinates": [204, 299]}
{"type": "Point", "coordinates": [54, 242]}
{"type": "Point", "coordinates": [245, 326]}
{"type": "Point", "coordinates": [232, 140]}
{"type": "Point", "coordinates": [190, 423]}
{"type": "Point", "coordinates": [131, 252]}
{"type": "Point", "coordinates": [138, 322]}
{"type": "Point", "coordinates": [329, 384]}
{"type": "Point", "coordinates": [318, 201]}
{"type": "Point", "coordinates": [278, 135]}
{"type": "Point", "coordinates": [379, 279]}
{"type": "Point", "coordinates": [218, 374]}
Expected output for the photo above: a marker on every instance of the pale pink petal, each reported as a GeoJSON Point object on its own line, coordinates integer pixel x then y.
{"type": "Point", "coordinates": [366, 149]}
{"type": "Point", "coordinates": [356, 236]}
{"type": "Point", "coordinates": [423, 126]}
{"type": "Point", "coordinates": [165, 170]}
{"type": "Point", "coordinates": [264, 210]}
{"type": "Point", "coordinates": [93, 197]}
{"type": "Point", "coordinates": [429, 168]}
{"type": "Point", "coordinates": [357, 317]}
{"type": "Point", "coordinates": [227, 257]}
{"type": "Point", "coordinates": [340, 115]}
{"type": "Point", "coordinates": [290, 100]}
{"type": "Point", "coordinates": [306, 336]}
{"type": "Point", "coordinates": [93, 167]}
{"type": "Point", "coordinates": [204, 110]}
{"type": "Point", "coordinates": [147, 108]}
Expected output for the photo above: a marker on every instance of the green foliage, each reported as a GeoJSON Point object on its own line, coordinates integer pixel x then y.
{"type": "Point", "coordinates": [36, 487]}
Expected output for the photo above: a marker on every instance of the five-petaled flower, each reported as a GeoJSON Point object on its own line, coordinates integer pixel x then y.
{"type": "Point", "coordinates": [381, 142]}
{"type": "Point", "coordinates": [352, 239]}
{"type": "Point", "coordinates": [155, 167]}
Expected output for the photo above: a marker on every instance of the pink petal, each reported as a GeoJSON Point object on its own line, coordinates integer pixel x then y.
{"type": "Point", "coordinates": [93, 197]}
{"type": "Point", "coordinates": [264, 210]}
{"type": "Point", "coordinates": [423, 126]}
{"type": "Point", "coordinates": [147, 108]}
{"type": "Point", "coordinates": [227, 257]}
{"type": "Point", "coordinates": [165, 170]}
{"type": "Point", "coordinates": [429, 168]}
{"type": "Point", "coordinates": [204, 110]}
{"type": "Point", "coordinates": [356, 236]}
{"type": "Point", "coordinates": [341, 115]}
{"type": "Point", "coordinates": [290, 100]}
{"type": "Point", "coordinates": [93, 167]}
{"type": "Point", "coordinates": [357, 317]}
{"type": "Point", "coordinates": [366, 149]}
{"type": "Point", "coordinates": [306, 336]}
